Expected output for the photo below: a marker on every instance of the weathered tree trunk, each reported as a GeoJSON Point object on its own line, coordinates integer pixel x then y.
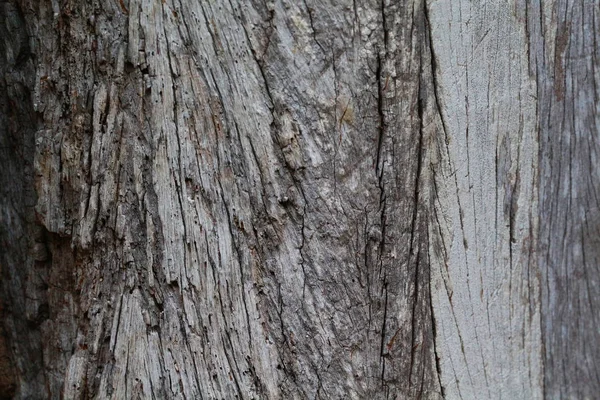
{"type": "Point", "coordinates": [299, 199]}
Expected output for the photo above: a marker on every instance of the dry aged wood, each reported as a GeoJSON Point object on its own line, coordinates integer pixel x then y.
{"type": "Point", "coordinates": [277, 199]}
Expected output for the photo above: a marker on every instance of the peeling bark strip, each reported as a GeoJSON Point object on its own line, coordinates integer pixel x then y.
{"type": "Point", "coordinates": [283, 199]}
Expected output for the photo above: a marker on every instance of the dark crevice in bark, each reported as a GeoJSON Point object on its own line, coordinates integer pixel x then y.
{"type": "Point", "coordinates": [382, 353]}
{"type": "Point", "coordinates": [310, 12]}
{"type": "Point", "coordinates": [438, 366]}
{"type": "Point", "coordinates": [301, 249]}
{"type": "Point", "coordinates": [434, 72]}
{"type": "Point", "coordinates": [384, 26]}
{"type": "Point", "coordinates": [381, 132]}
{"type": "Point", "coordinates": [428, 46]}
{"type": "Point", "coordinates": [416, 210]}
{"type": "Point", "coordinates": [379, 171]}
{"type": "Point", "coordinates": [260, 60]}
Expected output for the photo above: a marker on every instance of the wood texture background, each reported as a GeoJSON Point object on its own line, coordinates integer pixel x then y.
{"type": "Point", "coordinates": [299, 199]}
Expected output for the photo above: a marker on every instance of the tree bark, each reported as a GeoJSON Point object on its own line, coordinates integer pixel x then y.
{"type": "Point", "coordinates": [282, 199]}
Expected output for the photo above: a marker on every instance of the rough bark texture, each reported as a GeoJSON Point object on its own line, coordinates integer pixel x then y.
{"type": "Point", "coordinates": [565, 49]}
{"type": "Point", "coordinates": [299, 199]}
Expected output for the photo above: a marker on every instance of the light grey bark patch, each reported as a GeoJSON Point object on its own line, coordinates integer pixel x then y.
{"type": "Point", "coordinates": [487, 286]}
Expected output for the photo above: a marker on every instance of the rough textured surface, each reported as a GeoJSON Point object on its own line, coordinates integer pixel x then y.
{"type": "Point", "coordinates": [298, 199]}
{"type": "Point", "coordinates": [564, 52]}
{"type": "Point", "coordinates": [20, 359]}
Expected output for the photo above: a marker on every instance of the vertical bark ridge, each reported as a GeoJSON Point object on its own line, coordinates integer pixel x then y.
{"type": "Point", "coordinates": [564, 58]}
